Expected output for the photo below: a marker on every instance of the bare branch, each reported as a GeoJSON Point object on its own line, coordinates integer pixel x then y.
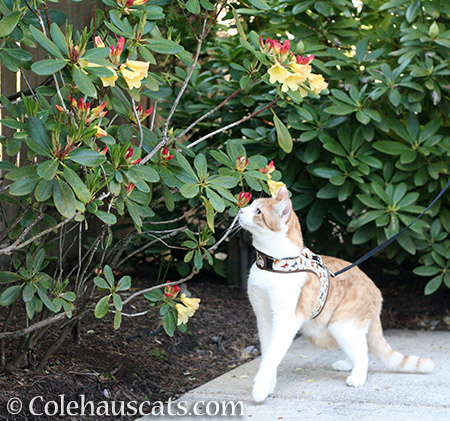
{"type": "Point", "coordinates": [208, 114]}
{"type": "Point", "coordinates": [138, 122]}
{"type": "Point", "coordinates": [144, 291]}
{"type": "Point", "coordinates": [33, 327]}
{"type": "Point", "coordinates": [225, 235]}
{"type": "Point", "coordinates": [236, 123]}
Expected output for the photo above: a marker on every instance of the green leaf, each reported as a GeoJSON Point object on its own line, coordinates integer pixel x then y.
{"type": "Point", "coordinates": [427, 270]}
{"type": "Point", "coordinates": [201, 165]}
{"type": "Point", "coordinates": [37, 131]}
{"type": "Point", "coordinates": [117, 319]}
{"type": "Point", "coordinates": [101, 283]}
{"type": "Point", "coordinates": [154, 295]}
{"type": "Point", "coordinates": [193, 6]}
{"type": "Point", "coordinates": [260, 4]}
{"type": "Point", "coordinates": [46, 300]}
{"type": "Point", "coordinates": [164, 46]}
{"type": "Point", "coordinates": [391, 148]}
{"type": "Point", "coordinates": [189, 190]}
{"type": "Point", "coordinates": [87, 156]}
{"type": "Point", "coordinates": [109, 274]}
{"type": "Point", "coordinates": [10, 295]}
{"type": "Point", "coordinates": [169, 322]}
{"type": "Point", "coordinates": [124, 283]}
{"type": "Point", "coordinates": [361, 49]}
{"type": "Point", "coordinates": [8, 23]}
{"type": "Point", "coordinates": [413, 10]}
{"type": "Point", "coordinates": [433, 285]}
{"type": "Point", "coordinates": [69, 296]}
{"type": "Point", "coordinates": [146, 173]}
{"type": "Point", "coordinates": [224, 181]}
{"type": "Point", "coordinates": [341, 109]}
{"type": "Point", "coordinates": [47, 169]}
{"type": "Point", "coordinates": [23, 186]}
{"type": "Point", "coordinates": [64, 199]}
{"type": "Point", "coordinates": [102, 307]}
{"type": "Point", "coordinates": [216, 201]}
{"type": "Point", "coordinates": [117, 301]}
{"type": "Point", "coordinates": [58, 38]}
{"type": "Point", "coordinates": [7, 277]}
{"type": "Point", "coordinates": [107, 218]}
{"type": "Point", "coordinates": [44, 190]}
{"type": "Point", "coordinates": [48, 46]}
{"type": "Point", "coordinates": [79, 188]}
{"type": "Point", "coordinates": [283, 135]}
{"type": "Point", "coordinates": [48, 67]}
{"type": "Point", "coordinates": [83, 83]}
{"type": "Point", "coordinates": [238, 23]}
{"type": "Point", "coordinates": [186, 166]}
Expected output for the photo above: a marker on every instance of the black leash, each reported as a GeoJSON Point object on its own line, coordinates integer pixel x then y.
{"type": "Point", "coordinates": [390, 240]}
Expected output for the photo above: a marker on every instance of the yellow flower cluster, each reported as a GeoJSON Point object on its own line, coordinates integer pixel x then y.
{"type": "Point", "coordinates": [187, 309]}
{"type": "Point", "coordinates": [295, 78]}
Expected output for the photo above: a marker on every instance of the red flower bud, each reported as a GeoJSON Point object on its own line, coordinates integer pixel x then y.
{"type": "Point", "coordinates": [129, 188]}
{"type": "Point", "coordinates": [165, 154]}
{"type": "Point", "coordinates": [128, 153]}
{"type": "Point", "coordinates": [244, 199]}
{"type": "Point", "coordinates": [241, 163]}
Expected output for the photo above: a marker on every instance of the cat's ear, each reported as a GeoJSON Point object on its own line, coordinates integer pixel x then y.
{"type": "Point", "coordinates": [285, 208]}
{"type": "Point", "coordinates": [282, 194]}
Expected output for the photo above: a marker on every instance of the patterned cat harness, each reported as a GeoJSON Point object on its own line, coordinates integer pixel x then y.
{"type": "Point", "coordinates": [306, 262]}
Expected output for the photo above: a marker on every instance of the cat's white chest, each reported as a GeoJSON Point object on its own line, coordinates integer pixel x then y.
{"type": "Point", "coordinates": [279, 291]}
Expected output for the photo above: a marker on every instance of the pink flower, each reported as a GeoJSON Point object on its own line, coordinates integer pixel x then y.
{"type": "Point", "coordinates": [136, 161]}
{"type": "Point", "coordinates": [305, 60]}
{"type": "Point", "coordinates": [241, 163]}
{"type": "Point", "coordinates": [244, 199]}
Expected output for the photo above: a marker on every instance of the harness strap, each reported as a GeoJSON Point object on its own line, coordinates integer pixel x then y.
{"type": "Point", "coordinates": [306, 262]}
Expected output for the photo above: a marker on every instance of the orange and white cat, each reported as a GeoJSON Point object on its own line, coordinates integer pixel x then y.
{"type": "Point", "coordinates": [284, 302]}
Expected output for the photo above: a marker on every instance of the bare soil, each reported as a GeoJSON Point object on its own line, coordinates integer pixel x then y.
{"type": "Point", "coordinates": [140, 362]}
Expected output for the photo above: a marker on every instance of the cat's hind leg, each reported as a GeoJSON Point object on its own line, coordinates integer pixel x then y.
{"type": "Point", "coordinates": [353, 341]}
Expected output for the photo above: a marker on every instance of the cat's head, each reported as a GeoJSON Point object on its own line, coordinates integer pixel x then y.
{"type": "Point", "coordinates": [265, 216]}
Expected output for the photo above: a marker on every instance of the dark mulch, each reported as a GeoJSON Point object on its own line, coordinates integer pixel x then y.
{"type": "Point", "coordinates": [134, 363]}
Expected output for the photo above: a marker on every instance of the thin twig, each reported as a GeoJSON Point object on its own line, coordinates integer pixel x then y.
{"type": "Point", "coordinates": [225, 235]}
{"type": "Point", "coordinates": [208, 114]}
{"type": "Point", "coordinates": [165, 139]}
{"type": "Point", "coordinates": [152, 125]}
{"type": "Point", "coordinates": [144, 291]}
{"type": "Point", "coordinates": [145, 246]}
{"type": "Point", "coordinates": [236, 123]}
{"type": "Point", "coordinates": [138, 122]}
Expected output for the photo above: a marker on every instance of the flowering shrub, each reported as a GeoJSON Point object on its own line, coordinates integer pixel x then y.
{"type": "Point", "coordinates": [370, 156]}
{"type": "Point", "coordinates": [111, 138]}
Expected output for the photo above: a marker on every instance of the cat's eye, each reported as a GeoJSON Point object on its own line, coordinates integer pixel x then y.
{"type": "Point", "coordinates": [258, 211]}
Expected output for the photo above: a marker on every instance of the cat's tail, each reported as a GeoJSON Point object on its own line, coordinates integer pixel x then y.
{"type": "Point", "coordinates": [383, 352]}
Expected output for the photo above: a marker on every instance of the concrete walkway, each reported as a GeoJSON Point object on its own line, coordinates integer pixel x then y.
{"type": "Point", "coordinates": [309, 390]}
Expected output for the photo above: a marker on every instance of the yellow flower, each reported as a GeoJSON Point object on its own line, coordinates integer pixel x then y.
{"type": "Point", "coordinates": [277, 73]}
{"type": "Point", "coordinates": [292, 82]}
{"type": "Point", "coordinates": [303, 70]}
{"type": "Point", "coordinates": [317, 83]}
{"type": "Point", "coordinates": [110, 80]}
{"type": "Point", "coordinates": [133, 72]}
{"type": "Point", "coordinates": [183, 314]}
{"type": "Point", "coordinates": [100, 132]}
{"type": "Point", "coordinates": [191, 303]}
{"type": "Point", "coordinates": [274, 186]}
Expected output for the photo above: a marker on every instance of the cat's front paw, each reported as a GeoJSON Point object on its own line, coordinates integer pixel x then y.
{"type": "Point", "coordinates": [260, 391]}
{"type": "Point", "coordinates": [355, 380]}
